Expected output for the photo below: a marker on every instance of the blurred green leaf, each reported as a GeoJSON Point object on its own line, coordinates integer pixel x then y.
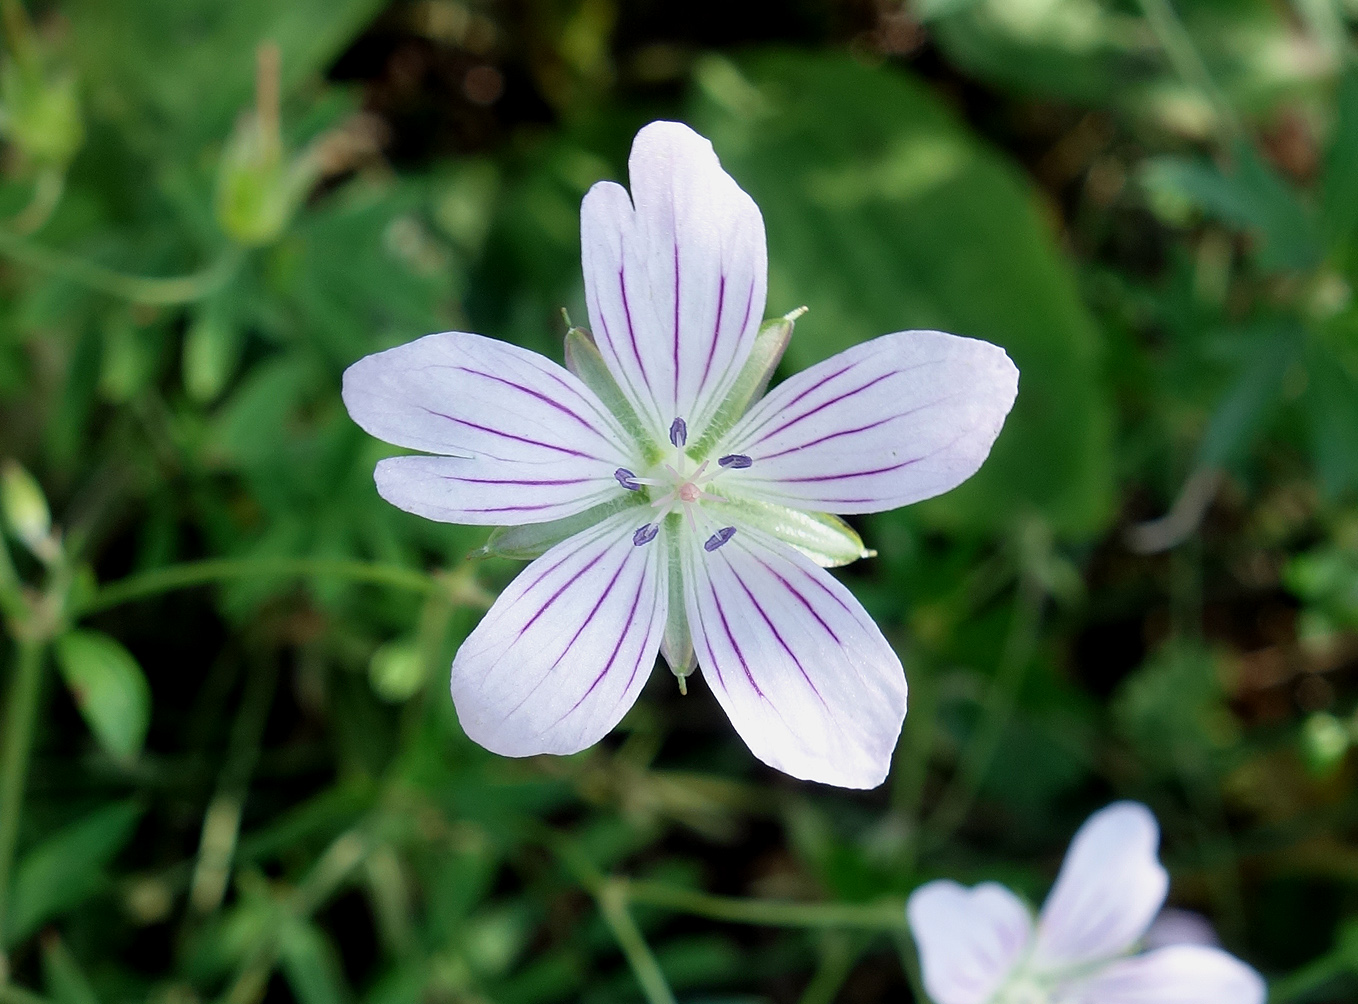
{"type": "Point", "coordinates": [884, 214]}
{"type": "Point", "coordinates": [109, 688]}
{"type": "Point", "coordinates": [1247, 403]}
{"type": "Point", "coordinates": [67, 868]}
{"type": "Point", "coordinates": [1250, 196]}
{"type": "Point", "coordinates": [311, 964]}
{"type": "Point", "coordinates": [66, 980]}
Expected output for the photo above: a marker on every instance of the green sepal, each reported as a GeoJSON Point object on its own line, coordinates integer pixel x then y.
{"type": "Point", "coordinates": [532, 540]}
{"type": "Point", "coordinates": [676, 644]}
{"type": "Point", "coordinates": [584, 360]}
{"type": "Point", "coordinates": [752, 381]}
{"type": "Point", "coordinates": [825, 539]}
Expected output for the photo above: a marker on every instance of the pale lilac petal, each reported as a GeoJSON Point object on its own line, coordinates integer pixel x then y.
{"type": "Point", "coordinates": [510, 414]}
{"type": "Point", "coordinates": [886, 423]}
{"type": "Point", "coordinates": [1110, 888]}
{"type": "Point", "coordinates": [969, 939]}
{"type": "Point", "coordinates": [567, 647]}
{"type": "Point", "coordinates": [1180, 927]}
{"type": "Point", "coordinates": [485, 492]}
{"type": "Point", "coordinates": [1182, 974]}
{"type": "Point", "coordinates": [675, 277]}
{"type": "Point", "coordinates": [799, 667]}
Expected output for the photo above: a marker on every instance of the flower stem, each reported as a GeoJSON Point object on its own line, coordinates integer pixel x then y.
{"type": "Point", "coordinates": [612, 900]}
{"type": "Point", "coordinates": [886, 915]}
{"type": "Point", "coordinates": [201, 573]}
{"type": "Point", "coordinates": [1188, 63]}
{"type": "Point", "coordinates": [138, 289]}
{"type": "Point", "coordinates": [20, 715]}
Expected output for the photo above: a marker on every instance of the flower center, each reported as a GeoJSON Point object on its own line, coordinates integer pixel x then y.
{"type": "Point", "coordinates": [673, 488]}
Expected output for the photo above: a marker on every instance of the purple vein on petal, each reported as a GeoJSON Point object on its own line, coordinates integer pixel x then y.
{"type": "Point", "coordinates": [801, 598]}
{"type": "Point", "coordinates": [628, 621]}
{"type": "Point", "coordinates": [533, 393]}
{"type": "Point", "coordinates": [735, 646]}
{"type": "Point", "coordinates": [776, 633]}
{"type": "Point", "coordinates": [517, 481]}
{"type": "Point", "coordinates": [509, 435]}
{"type": "Point", "coordinates": [772, 416]}
{"type": "Point", "coordinates": [849, 474]}
{"type": "Point", "coordinates": [676, 324]}
{"type": "Point", "coordinates": [557, 595]}
{"type": "Point", "coordinates": [716, 333]}
{"type": "Point", "coordinates": [631, 328]}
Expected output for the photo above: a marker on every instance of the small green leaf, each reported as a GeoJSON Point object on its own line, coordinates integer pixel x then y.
{"type": "Point", "coordinates": [584, 360]}
{"type": "Point", "coordinates": [67, 868]}
{"type": "Point", "coordinates": [1241, 412]}
{"type": "Point", "coordinates": [752, 381]}
{"type": "Point", "coordinates": [396, 671]}
{"type": "Point", "coordinates": [109, 688]}
{"type": "Point", "coordinates": [311, 965]}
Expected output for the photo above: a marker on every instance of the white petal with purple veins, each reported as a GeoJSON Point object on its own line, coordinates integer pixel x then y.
{"type": "Point", "coordinates": [1182, 974]}
{"type": "Point", "coordinates": [675, 277]}
{"type": "Point", "coordinates": [567, 647]}
{"type": "Point", "coordinates": [886, 423]}
{"type": "Point", "coordinates": [799, 667]}
{"type": "Point", "coordinates": [1110, 888]}
{"type": "Point", "coordinates": [485, 492]}
{"type": "Point", "coordinates": [510, 414]}
{"type": "Point", "coordinates": [969, 939]}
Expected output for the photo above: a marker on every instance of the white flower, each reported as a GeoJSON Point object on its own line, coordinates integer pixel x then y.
{"type": "Point", "coordinates": [678, 511]}
{"type": "Point", "coordinates": [980, 946]}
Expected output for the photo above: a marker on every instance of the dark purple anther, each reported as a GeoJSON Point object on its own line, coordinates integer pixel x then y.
{"type": "Point", "coordinates": [720, 537]}
{"type": "Point", "coordinates": [627, 479]}
{"type": "Point", "coordinates": [678, 432]}
{"type": "Point", "coordinates": [645, 534]}
{"type": "Point", "coordinates": [736, 461]}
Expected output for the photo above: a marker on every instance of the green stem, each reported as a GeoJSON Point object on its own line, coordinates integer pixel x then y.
{"type": "Point", "coordinates": [957, 801]}
{"type": "Point", "coordinates": [138, 289]}
{"type": "Point", "coordinates": [612, 900]}
{"type": "Point", "coordinates": [886, 915]}
{"type": "Point", "coordinates": [201, 573]}
{"type": "Point", "coordinates": [1183, 55]}
{"type": "Point", "coordinates": [12, 993]}
{"type": "Point", "coordinates": [20, 715]}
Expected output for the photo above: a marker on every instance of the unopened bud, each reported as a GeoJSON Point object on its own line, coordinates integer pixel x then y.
{"type": "Point", "coordinates": [1324, 742]}
{"type": "Point", "coordinates": [25, 510]}
{"type": "Point", "coordinates": [41, 114]}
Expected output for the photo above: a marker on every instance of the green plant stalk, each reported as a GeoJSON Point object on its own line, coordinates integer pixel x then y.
{"type": "Point", "coordinates": [1311, 977]}
{"type": "Point", "coordinates": [12, 993]}
{"type": "Point", "coordinates": [612, 900]}
{"type": "Point", "coordinates": [159, 292]}
{"type": "Point", "coordinates": [20, 715]}
{"type": "Point", "coordinates": [885, 915]}
{"type": "Point", "coordinates": [19, 34]}
{"type": "Point", "coordinates": [1183, 55]}
{"type": "Point", "coordinates": [201, 573]}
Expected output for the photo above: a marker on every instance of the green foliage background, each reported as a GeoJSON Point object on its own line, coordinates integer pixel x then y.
{"type": "Point", "coordinates": [230, 770]}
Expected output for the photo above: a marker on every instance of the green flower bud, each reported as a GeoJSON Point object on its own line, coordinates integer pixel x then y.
{"type": "Point", "coordinates": [1324, 743]}
{"type": "Point", "coordinates": [25, 510]}
{"type": "Point", "coordinates": [41, 114]}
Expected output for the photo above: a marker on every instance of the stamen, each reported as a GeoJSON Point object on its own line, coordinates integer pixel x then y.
{"type": "Point", "coordinates": [735, 461]}
{"type": "Point", "coordinates": [720, 537]}
{"type": "Point", "coordinates": [678, 432]}
{"type": "Point", "coordinates": [627, 479]}
{"type": "Point", "coordinates": [645, 534]}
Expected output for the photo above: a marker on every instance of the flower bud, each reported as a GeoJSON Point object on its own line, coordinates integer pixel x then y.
{"type": "Point", "coordinates": [25, 510]}
{"type": "Point", "coordinates": [258, 186]}
{"type": "Point", "coordinates": [41, 114]}
{"type": "Point", "coordinates": [1324, 742]}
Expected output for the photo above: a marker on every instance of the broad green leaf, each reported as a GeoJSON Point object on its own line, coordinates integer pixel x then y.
{"type": "Point", "coordinates": [1339, 186]}
{"type": "Point", "coordinates": [1332, 408]}
{"type": "Point", "coordinates": [883, 214]}
{"type": "Point", "coordinates": [109, 688]}
{"type": "Point", "coordinates": [67, 868]}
